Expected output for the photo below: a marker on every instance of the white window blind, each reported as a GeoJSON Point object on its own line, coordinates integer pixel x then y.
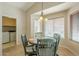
{"type": "Point", "coordinates": [37, 26]}
{"type": "Point", "coordinates": [48, 25]}
{"type": "Point", "coordinates": [59, 26]}
{"type": "Point", "coordinates": [54, 26]}
{"type": "Point", "coordinates": [75, 27]}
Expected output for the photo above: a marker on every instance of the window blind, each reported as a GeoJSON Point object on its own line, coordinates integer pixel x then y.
{"type": "Point", "coordinates": [54, 26]}
{"type": "Point", "coordinates": [75, 27]}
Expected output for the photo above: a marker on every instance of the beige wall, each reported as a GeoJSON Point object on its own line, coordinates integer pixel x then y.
{"type": "Point", "coordinates": [0, 29]}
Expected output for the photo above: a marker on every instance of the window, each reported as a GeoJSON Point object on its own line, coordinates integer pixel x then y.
{"type": "Point", "coordinates": [75, 27]}
{"type": "Point", "coordinates": [54, 26]}
{"type": "Point", "coordinates": [36, 28]}
{"type": "Point", "coordinates": [49, 28]}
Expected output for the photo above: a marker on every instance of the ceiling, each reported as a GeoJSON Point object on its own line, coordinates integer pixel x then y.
{"type": "Point", "coordinates": [22, 5]}
{"type": "Point", "coordinates": [26, 5]}
{"type": "Point", "coordinates": [58, 8]}
{"type": "Point", "coordinates": [54, 6]}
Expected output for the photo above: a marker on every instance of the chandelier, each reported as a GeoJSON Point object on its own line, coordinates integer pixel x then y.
{"type": "Point", "coordinates": [42, 18]}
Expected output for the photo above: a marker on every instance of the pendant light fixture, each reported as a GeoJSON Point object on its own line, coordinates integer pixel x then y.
{"type": "Point", "coordinates": [42, 18]}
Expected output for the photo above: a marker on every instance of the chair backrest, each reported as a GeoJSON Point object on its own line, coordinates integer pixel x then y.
{"type": "Point", "coordinates": [24, 42]}
{"type": "Point", "coordinates": [57, 37]}
{"type": "Point", "coordinates": [46, 47]}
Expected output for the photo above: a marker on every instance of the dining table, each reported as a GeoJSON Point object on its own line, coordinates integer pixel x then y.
{"type": "Point", "coordinates": [34, 40]}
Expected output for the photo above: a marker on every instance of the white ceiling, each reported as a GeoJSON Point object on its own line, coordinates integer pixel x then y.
{"type": "Point", "coordinates": [58, 8]}
{"type": "Point", "coordinates": [54, 7]}
{"type": "Point", "coordinates": [22, 5]}
{"type": "Point", "coordinates": [26, 5]}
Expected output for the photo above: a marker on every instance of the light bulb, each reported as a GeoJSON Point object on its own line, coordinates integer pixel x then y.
{"type": "Point", "coordinates": [41, 18]}
{"type": "Point", "coordinates": [46, 19]}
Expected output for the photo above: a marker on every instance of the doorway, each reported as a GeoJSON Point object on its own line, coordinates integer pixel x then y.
{"type": "Point", "coordinates": [8, 32]}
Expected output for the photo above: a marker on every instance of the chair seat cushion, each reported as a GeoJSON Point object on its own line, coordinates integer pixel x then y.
{"type": "Point", "coordinates": [29, 49]}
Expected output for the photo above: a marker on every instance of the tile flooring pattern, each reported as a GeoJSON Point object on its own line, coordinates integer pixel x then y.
{"type": "Point", "coordinates": [13, 51]}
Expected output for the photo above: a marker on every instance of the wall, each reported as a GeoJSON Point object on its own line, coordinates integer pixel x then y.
{"type": "Point", "coordinates": [13, 12]}
{"type": "Point", "coordinates": [0, 29]}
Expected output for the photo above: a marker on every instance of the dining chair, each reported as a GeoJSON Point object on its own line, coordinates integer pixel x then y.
{"type": "Point", "coordinates": [57, 37]}
{"type": "Point", "coordinates": [28, 48]}
{"type": "Point", "coordinates": [46, 47]}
